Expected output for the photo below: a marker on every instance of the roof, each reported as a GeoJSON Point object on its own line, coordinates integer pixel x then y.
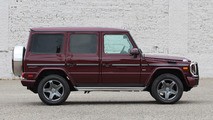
{"type": "Point", "coordinates": [78, 29]}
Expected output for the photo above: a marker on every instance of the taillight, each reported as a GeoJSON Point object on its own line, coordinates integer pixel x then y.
{"type": "Point", "coordinates": [27, 76]}
{"type": "Point", "coordinates": [22, 75]}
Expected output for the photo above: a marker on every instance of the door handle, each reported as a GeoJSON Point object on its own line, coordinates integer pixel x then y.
{"type": "Point", "coordinates": [106, 65]}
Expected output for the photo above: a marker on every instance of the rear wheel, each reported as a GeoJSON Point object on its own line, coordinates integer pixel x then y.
{"type": "Point", "coordinates": [53, 90]}
{"type": "Point", "coordinates": [167, 88]}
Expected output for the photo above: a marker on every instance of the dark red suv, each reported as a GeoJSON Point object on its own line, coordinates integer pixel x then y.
{"type": "Point", "coordinates": [59, 60]}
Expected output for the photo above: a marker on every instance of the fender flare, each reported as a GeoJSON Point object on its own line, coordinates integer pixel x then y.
{"type": "Point", "coordinates": [56, 69]}
{"type": "Point", "coordinates": [150, 79]}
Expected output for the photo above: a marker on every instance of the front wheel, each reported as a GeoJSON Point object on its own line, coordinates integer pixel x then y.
{"type": "Point", "coordinates": [53, 90]}
{"type": "Point", "coordinates": [167, 89]}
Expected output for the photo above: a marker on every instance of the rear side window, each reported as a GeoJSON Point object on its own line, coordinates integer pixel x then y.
{"type": "Point", "coordinates": [83, 43]}
{"type": "Point", "coordinates": [46, 43]}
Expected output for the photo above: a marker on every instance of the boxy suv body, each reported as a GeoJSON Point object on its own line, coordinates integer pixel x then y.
{"type": "Point", "coordinates": [59, 60]}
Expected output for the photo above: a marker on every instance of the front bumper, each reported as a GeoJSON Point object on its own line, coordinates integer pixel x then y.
{"type": "Point", "coordinates": [193, 81]}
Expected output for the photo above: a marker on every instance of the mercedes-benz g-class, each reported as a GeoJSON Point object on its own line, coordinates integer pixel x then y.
{"type": "Point", "coordinates": [59, 60]}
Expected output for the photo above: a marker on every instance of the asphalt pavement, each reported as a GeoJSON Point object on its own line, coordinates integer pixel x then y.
{"type": "Point", "coordinates": [18, 103]}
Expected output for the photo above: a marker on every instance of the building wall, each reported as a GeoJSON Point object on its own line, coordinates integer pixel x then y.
{"type": "Point", "coordinates": [174, 27]}
{"type": "Point", "coordinates": [4, 31]}
{"type": "Point", "coordinates": [200, 34]}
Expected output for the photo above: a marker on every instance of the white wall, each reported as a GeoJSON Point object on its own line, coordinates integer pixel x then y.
{"type": "Point", "coordinates": [175, 27]}
{"type": "Point", "coordinates": [5, 61]}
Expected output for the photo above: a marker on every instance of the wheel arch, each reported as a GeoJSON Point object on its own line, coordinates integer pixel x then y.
{"type": "Point", "coordinates": [49, 71]}
{"type": "Point", "coordinates": [175, 71]}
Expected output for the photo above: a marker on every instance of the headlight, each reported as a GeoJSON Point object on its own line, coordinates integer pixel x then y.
{"type": "Point", "coordinates": [194, 69]}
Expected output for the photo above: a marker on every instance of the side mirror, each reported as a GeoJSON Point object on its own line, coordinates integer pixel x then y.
{"type": "Point", "coordinates": [134, 52]}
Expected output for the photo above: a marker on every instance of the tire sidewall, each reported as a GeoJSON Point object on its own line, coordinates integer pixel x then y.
{"type": "Point", "coordinates": [163, 77]}
{"type": "Point", "coordinates": [62, 81]}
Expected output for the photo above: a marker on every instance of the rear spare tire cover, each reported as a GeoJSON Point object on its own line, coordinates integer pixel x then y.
{"type": "Point", "coordinates": [17, 60]}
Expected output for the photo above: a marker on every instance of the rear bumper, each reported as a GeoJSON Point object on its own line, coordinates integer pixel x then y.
{"type": "Point", "coordinates": [28, 83]}
{"type": "Point", "coordinates": [193, 81]}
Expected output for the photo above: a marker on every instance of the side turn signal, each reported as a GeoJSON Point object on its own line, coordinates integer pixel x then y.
{"type": "Point", "coordinates": [186, 68]}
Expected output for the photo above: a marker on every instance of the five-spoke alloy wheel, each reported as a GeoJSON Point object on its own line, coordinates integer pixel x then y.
{"type": "Point", "coordinates": [167, 88]}
{"type": "Point", "coordinates": [53, 90]}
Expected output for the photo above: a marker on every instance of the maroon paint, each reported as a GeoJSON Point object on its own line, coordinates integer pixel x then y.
{"type": "Point", "coordinates": [137, 75]}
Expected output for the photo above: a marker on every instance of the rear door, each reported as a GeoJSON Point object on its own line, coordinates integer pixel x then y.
{"type": "Point", "coordinates": [82, 59]}
{"type": "Point", "coordinates": [119, 68]}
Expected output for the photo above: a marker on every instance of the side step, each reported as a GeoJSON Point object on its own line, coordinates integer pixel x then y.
{"type": "Point", "coordinates": [109, 88]}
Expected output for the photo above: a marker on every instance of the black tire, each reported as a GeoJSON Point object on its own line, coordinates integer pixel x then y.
{"type": "Point", "coordinates": [167, 89]}
{"type": "Point", "coordinates": [53, 90]}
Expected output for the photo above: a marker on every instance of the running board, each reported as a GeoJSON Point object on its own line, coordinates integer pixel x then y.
{"type": "Point", "coordinates": [109, 88]}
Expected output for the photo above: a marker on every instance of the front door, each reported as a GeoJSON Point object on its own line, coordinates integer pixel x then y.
{"type": "Point", "coordinates": [82, 60]}
{"type": "Point", "coordinates": [119, 68]}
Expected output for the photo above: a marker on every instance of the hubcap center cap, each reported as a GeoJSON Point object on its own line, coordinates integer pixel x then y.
{"type": "Point", "coordinates": [53, 90]}
{"type": "Point", "coordinates": [167, 89]}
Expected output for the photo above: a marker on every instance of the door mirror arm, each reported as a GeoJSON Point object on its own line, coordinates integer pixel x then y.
{"type": "Point", "coordinates": [135, 52]}
{"type": "Point", "coordinates": [142, 54]}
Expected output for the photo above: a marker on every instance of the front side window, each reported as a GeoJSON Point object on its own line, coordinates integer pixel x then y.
{"type": "Point", "coordinates": [117, 44]}
{"type": "Point", "coordinates": [46, 43]}
{"type": "Point", "coordinates": [83, 43]}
